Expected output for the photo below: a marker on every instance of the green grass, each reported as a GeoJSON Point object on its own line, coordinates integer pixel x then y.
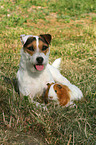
{"type": "Point", "coordinates": [72, 25]}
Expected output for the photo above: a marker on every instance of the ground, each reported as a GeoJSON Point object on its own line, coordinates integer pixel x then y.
{"type": "Point", "coordinates": [73, 29]}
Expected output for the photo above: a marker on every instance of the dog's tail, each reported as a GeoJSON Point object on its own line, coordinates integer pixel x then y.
{"type": "Point", "coordinates": [56, 63]}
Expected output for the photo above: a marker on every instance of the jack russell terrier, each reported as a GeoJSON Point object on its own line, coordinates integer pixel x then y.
{"type": "Point", "coordinates": [34, 70]}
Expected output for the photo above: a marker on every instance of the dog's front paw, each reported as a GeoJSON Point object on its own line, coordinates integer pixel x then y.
{"type": "Point", "coordinates": [71, 105]}
{"type": "Point", "coordinates": [42, 106]}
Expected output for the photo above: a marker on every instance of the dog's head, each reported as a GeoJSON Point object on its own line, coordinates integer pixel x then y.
{"type": "Point", "coordinates": [36, 51]}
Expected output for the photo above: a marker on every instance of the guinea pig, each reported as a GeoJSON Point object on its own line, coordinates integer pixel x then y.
{"type": "Point", "coordinates": [59, 93]}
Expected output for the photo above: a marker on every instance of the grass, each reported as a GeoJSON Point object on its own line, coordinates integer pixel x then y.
{"type": "Point", "coordinates": [72, 25]}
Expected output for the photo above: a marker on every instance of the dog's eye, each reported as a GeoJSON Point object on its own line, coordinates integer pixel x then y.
{"type": "Point", "coordinates": [30, 48]}
{"type": "Point", "coordinates": [44, 48]}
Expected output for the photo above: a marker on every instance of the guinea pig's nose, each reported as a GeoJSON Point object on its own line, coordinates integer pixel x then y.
{"type": "Point", "coordinates": [50, 97]}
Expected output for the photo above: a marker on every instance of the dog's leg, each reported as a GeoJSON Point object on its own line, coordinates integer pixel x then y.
{"type": "Point", "coordinates": [71, 104]}
{"type": "Point", "coordinates": [37, 104]}
{"type": "Point", "coordinates": [58, 78]}
{"type": "Point", "coordinates": [43, 106]}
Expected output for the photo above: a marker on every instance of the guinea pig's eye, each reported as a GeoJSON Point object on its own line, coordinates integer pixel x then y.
{"type": "Point", "coordinates": [56, 91]}
{"type": "Point", "coordinates": [30, 48]}
{"type": "Point", "coordinates": [44, 48]}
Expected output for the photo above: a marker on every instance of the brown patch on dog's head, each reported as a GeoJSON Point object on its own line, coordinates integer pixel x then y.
{"type": "Point", "coordinates": [44, 41]}
{"type": "Point", "coordinates": [62, 93]}
{"type": "Point", "coordinates": [46, 38]}
{"type": "Point", "coordinates": [43, 47]}
{"type": "Point", "coordinates": [43, 44]}
{"type": "Point", "coordinates": [30, 45]}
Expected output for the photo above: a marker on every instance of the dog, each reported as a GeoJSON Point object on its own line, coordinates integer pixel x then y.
{"type": "Point", "coordinates": [34, 70]}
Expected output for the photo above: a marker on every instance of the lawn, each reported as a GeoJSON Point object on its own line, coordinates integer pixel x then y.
{"type": "Point", "coordinates": [72, 25]}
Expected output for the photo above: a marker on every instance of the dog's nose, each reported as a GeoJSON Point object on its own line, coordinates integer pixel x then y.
{"type": "Point", "coordinates": [39, 60]}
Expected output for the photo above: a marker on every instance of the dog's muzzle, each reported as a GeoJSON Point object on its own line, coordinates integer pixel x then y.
{"type": "Point", "coordinates": [39, 60]}
{"type": "Point", "coordinates": [39, 66]}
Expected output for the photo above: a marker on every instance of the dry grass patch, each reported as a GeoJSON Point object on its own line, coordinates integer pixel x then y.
{"type": "Point", "coordinates": [73, 41]}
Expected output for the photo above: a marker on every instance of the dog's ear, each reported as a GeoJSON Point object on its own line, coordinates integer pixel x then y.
{"type": "Point", "coordinates": [22, 38]}
{"type": "Point", "coordinates": [47, 38]}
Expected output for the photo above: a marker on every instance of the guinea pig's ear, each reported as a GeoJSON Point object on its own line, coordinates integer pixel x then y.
{"type": "Point", "coordinates": [59, 86]}
{"type": "Point", "coordinates": [48, 84]}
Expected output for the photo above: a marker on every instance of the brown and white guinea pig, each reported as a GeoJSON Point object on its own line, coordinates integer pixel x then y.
{"type": "Point", "coordinates": [62, 94]}
{"type": "Point", "coordinates": [57, 92]}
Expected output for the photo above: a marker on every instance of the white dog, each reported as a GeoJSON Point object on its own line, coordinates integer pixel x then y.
{"type": "Point", "coordinates": [34, 71]}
